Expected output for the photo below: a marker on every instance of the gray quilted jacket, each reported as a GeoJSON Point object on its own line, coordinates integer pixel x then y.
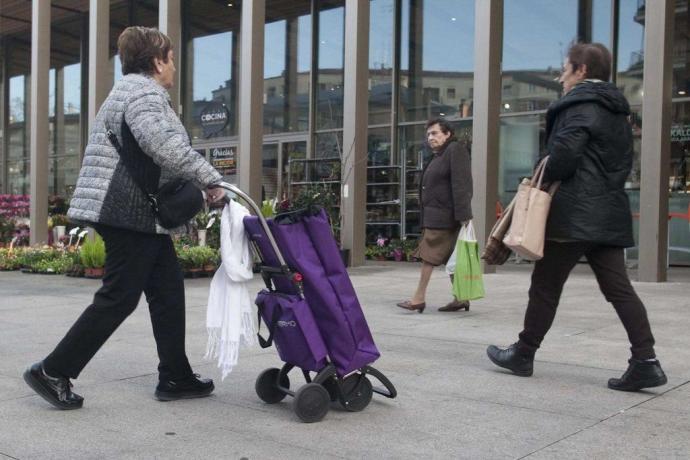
{"type": "Point", "coordinates": [105, 191]}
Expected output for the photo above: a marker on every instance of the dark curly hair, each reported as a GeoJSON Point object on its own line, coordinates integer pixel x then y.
{"type": "Point", "coordinates": [139, 45]}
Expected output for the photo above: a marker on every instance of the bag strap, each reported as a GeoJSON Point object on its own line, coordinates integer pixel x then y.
{"type": "Point", "coordinates": [539, 176]}
{"type": "Point", "coordinates": [151, 197]}
{"type": "Point", "coordinates": [265, 343]}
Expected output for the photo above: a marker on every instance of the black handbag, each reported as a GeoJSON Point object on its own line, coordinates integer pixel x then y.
{"type": "Point", "coordinates": [176, 202]}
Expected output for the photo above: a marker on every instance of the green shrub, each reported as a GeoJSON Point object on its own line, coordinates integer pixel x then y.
{"type": "Point", "coordinates": [58, 265]}
{"type": "Point", "coordinates": [92, 253]}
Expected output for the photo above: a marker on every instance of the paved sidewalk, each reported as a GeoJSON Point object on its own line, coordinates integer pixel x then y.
{"type": "Point", "coordinates": [452, 402]}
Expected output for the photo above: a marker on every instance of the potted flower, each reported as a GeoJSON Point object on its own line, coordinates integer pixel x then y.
{"type": "Point", "coordinates": [409, 246]}
{"type": "Point", "coordinates": [204, 220]}
{"type": "Point", "coordinates": [396, 250]}
{"type": "Point", "coordinates": [60, 222]}
{"type": "Point", "coordinates": [92, 255]}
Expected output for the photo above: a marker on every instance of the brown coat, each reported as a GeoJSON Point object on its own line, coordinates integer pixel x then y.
{"type": "Point", "coordinates": [446, 188]}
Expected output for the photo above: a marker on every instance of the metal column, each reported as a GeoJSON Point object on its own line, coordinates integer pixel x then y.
{"type": "Point", "coordinates": [656, 140]}
{"type": "Point", "coordinates": [40, 64]}
{"type": "Point", "coordinates": [488, 45]}
{"type": "Point", "coordinates": [100, 73]}
{"type": "Point", "coordinates": [250, 119]}
{"type": "Point", "coordinates": [170, 23]}
{"type": "Point", "coordinates": [356, 115]}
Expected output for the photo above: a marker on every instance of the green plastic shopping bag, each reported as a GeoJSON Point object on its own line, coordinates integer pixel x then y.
{"type": "Point", "coordinates": [468, 283]}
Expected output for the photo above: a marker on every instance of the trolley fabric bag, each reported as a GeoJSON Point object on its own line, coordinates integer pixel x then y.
{"type": "Point", "coordinates": [468, 283]}
{"type": "Point", "coordinates": [309, 247]}
{"type": "Point", "coordinates": [292, 328]}
{"type": "Point", "coordinates": [530, 212]}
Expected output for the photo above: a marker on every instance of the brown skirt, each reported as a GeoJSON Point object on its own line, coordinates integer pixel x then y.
{"type": "Point", "coordinates": [436, 245]}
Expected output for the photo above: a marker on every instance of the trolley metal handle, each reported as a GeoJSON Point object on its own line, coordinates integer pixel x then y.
{"type": "Point", "coordinates": [236, 190]}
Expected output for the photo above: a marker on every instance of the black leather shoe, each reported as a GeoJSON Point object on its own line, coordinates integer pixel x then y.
{"type": "Point", "coordinates": [56, 390]}
{"type": "Point", "coordinates": [191, 387]}
{"type": "Point", "coordinates": [519, 362]}
{"type": "Point", "coordinates": [640, 374]}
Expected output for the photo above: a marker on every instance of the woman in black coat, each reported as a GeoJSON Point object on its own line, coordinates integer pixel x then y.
{"type": "Point", "coordinates": [589, 143]}
{"type": "Point", "coordinates": [444, 197]}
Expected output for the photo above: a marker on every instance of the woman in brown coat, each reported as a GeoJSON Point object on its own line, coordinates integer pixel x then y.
{"type": "Point", "coordinates": [445, 196]}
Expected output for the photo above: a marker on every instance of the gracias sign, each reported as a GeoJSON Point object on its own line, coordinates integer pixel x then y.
{"type": "Point", "coordinates": [214, 118]}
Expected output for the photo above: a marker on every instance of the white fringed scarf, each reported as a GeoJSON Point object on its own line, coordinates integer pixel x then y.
{"type": "Point", "coordinates": [229, 318]}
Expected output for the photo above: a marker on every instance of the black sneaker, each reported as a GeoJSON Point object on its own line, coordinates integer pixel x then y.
{"type": "Point", "coordinates": [56, 390]}
{"type": "Point", "coordinates": [191, 387]}
{"type": "Point", "coordinates": [640, 374]}
{"type": "Point", "coordinates": [519, 362]}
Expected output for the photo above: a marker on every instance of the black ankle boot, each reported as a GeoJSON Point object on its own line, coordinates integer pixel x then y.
{"type": "Point", "coordinates": [640, 374]}
{"type": "Point", "coordinates": [520, 362]}
{"type": "Point", "coordinates": [191, 387]}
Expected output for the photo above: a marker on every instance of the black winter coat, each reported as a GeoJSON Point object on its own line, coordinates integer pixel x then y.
{"type": "Point", "coordinates": [589, 140]}
{"type": "Point", "coordinates": [446, 188]}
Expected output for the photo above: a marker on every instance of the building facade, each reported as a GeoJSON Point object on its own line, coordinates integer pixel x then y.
{"type": "Point", "coordinates": [283, 95]}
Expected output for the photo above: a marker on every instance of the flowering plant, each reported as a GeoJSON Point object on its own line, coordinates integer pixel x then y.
{"type": "Point", "coordinates": [14, 206]}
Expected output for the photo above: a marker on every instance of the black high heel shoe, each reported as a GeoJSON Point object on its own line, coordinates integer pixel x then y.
{"type": "Point", "coordinates": [407, 305]}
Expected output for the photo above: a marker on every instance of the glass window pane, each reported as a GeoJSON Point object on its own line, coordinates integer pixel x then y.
{"type": "Point", "coordinates": [679, 186]}
{"type": "Point", "coordinates": [18, 146]}
{"type": "Point", "coordinates": [62, 175]}
{"type": "Point", "coordinates": [125, 13]}
{"type": "Point", "coordinates": [601, 22]}
{"type": "Point", "coordinates": [379, 147]}
{"type": "Point", "coordinates": [433, 81]}
{"type": "Point", "coordinates": [330, 77]}
{"type": "Point", "coordinates": [630, 59]}
{"type": "Point", "coordinates": [681, 54]}
{"type": "Point", "coordinates": [328, 145]}
{"type": "Point", "coordinates": [380, 61]}
{"type": "Point", "coordinates": [211, 67]}
{"type": "Point", "coordinates": [18, 177]}
{"type": "Point", "coordinates": [521, 140]}
{"type": "Point", "coordinates": [287, 58]}
{"type": "Point", "coordinates": [536, 36]}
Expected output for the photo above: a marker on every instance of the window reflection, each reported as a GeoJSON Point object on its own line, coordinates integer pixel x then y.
{"type": "Point", "coordinates": [521, 140]}
{"type": "Point", "coordinates": [436, 59]}
{"type": "Point", "coordinates": [630, 59]}
{"type": "Point", "coordinates": [287, 61]}
{"type": "Point", "coordinates": [330, 76]}
{"type": "Point", "coordinates": [601, 22]}
{"type": "Point", "coordinates": [125, 13]}
{"type": "Point", "coordinates": [533, 55]}
{"type": "Point", "coordinates": [380, 61]}
{"type": "Point", "coordinates": [211, 68]}
{"type": "Point", "coordinates": [18, 54]}
{"type": "Point", "coordinates": [65, 142]}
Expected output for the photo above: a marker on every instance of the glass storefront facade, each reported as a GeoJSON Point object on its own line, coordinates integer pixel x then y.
{"type": "Point", "coordinates": [421, 65]}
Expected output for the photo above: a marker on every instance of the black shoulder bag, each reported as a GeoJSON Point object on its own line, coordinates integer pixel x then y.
{"type": "Point", "coordinates": [176, 202]}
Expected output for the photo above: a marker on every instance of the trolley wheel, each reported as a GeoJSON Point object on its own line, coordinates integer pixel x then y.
{"type": "Point", "coordinates": [266, 386]}
{"type": "Point", "coordinates": [311, 402]}
{"type": "Point", "coordinates": [358, 392]}
{"type": "Point", "coordinates": [331, 385]}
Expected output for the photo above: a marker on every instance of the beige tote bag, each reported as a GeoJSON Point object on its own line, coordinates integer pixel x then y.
{"type": "Point", "coordinates": [528, 226]}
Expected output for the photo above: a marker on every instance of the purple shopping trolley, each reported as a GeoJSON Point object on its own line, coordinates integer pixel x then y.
{"type": "Point", "coordinates": [312, 315]}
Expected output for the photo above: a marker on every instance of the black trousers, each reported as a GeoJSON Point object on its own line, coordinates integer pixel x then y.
{"type": "Point", "coordinates": [608, 264]}
{"type": "Point", "coordinates": [135, 263]}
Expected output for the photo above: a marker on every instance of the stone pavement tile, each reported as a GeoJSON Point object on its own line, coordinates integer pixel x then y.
{"type": "Point", "coordinates": [635, 433]}
{"type": "Point", "coordinates": [212, 427]}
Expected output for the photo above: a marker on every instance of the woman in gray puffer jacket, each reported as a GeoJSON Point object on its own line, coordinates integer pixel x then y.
{"type": "Point", "coordinates": [140, 257]}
